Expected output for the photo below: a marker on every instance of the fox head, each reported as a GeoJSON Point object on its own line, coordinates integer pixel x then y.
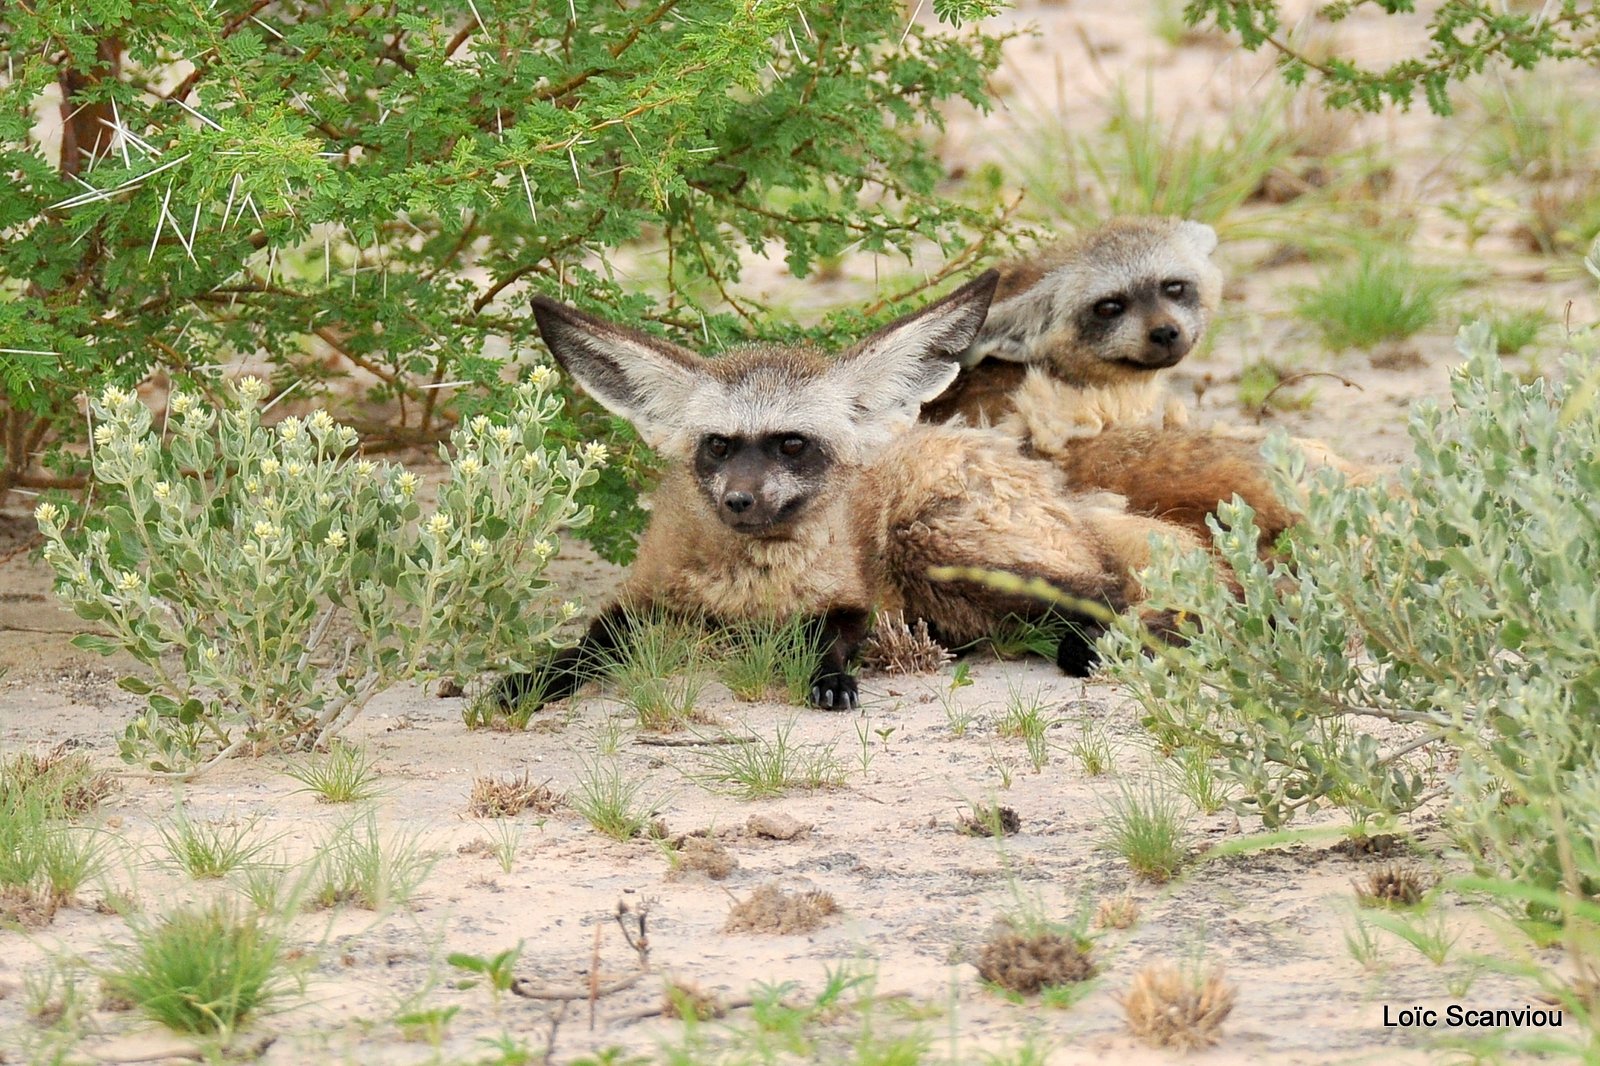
{"type": "Point", "coordinates": [763, 428]}
{"type": "Point", "coordinates": [1131, 297]}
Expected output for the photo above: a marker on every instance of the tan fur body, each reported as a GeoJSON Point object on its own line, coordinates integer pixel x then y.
{"type": "Point", "coordinates": [936, 496]}
{"type": "Point", "coordinates": [959, 496]}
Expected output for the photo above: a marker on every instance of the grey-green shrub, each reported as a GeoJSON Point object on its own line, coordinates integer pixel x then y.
{"type": "Point", "coordinates": [240, 546]}
{"type": "Point", "coordinates": [1457, 607]}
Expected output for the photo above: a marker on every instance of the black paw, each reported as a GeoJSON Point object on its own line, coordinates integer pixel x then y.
{"type": "Point", "coordinates": [834, 692]}
{"type": "Point", "coordinates": [1077, 655]}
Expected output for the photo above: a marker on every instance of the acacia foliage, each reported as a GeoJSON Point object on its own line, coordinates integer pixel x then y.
{"type": "Point", "coordinates": [382, 185]}
{"type": "Point", "coordinates": [1462, 39]}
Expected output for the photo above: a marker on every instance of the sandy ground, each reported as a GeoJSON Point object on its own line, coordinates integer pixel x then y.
{"type": "Point", "coordinates": [916, 897]}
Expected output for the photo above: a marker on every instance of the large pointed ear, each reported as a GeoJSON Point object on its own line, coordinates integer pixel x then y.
{"type": "Point", "coordinates": [1014, 328]}
{"type": "Point", "coordinates": [634, 375]}
{"type": "Point", "coordinates": [892, 373]}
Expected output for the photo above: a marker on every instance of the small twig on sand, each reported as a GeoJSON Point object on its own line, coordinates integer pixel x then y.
{"type": "Point", "coordinates": [1294, 379]}
{"type": "Point", "coordinates": [595, 989]}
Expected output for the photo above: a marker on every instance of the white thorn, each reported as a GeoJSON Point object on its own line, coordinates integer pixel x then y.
{"type": "Point", "coordinates": [161, 220]}
{"type": "Point", "coordinates": [527, 188]}
{"type": "Point", "coordinates": [196, 114]}
{"type": "Point", "coordinates": [117, 116]}
{"type": "Point", "coordinates": [227, 208]}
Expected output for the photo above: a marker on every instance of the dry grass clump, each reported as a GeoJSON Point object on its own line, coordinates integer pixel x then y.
{"type": "Point", "coordinates": [769, 909]}
{"type": "Point", "coordinates": [1395, 885]}
{"type": "Point", "coordinates": [989, 822]}
{"type": "Point", "coordinates": [1030, 962]}
{"type": "Point", "coordinates": [702, 855]}
{"type": "Point", "coordinates": [1117, 912]}
{"type": "Point", "coordinates": [68, 781]}
{"type": "Point", "coordinates": [503, 797]}
{"type": "Point", "coordinates": [1380, 844]}
{"type": "Point", "coordinates": [895, 647]}
{"type": "Point", "coordinates": [21, 906]}
{"type": "Point", "coordinates": [684, 999]}
{"type": "Point", "coordinates": [1177, 1008]}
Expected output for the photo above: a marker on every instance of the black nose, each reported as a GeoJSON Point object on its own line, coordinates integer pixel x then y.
{"type": "Point", "coordinates": [738, 502]}
{"type": "Point", "coordinates": [1165, 336]}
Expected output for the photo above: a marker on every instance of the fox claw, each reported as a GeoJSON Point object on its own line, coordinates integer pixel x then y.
{"type": "Point", "coordinates": [835, 692]}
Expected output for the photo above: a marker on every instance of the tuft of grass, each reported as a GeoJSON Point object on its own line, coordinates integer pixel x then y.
{"type": "Point", "coordinates": [1024, 716]}
{"type": "Point", "coordinates": [209, 849]}
{"type": "Point", "coordinates": [425, 1024]}
{"type": "Point", "coordinates": [203, 969]}
{"type": "Point", "coordinates": [485, 711]}
{"type": "Point", "coordinates": [43, 860]}
{"type": "Point", "coordinates": [1430, 934]}
{"type": "Point", "coordinates": [1139, 165]}
{"type": "Point", "coordinates": [760, 659]}
{"type": "Point", "coordinates": [1148, 827]}
{"type": "Point", "coordinates": [358, 864]}
{"type": "Point", "coordinates": [506, 838]}
{"type": "Point", "coordinates": [772, 766]}
{"type": "Point", "coordinates": [267, 888]}
{"type": "Point", "coordinates": [1196, 778]}
{"type": "Point", "coordinates": [957, 717]}
{"type": "Point", "coordinates": [1092, 749]}
{"type": "Point", "coordinates": [611, 802]}
{"type": "Point", "coordinates": [1382, 296]}
{"type": "Point", "coordinates": [1259, 385]}
{"type": "Point", "coordinates": [1514, 328]}
{"type": "Point", "coordinates": [505, 797]}
{"type": "Point", "coordinates": [1117, 912]}
{"type": "Point", "coordinates": [1017, 638]}
{"type": "Point", "coordinates": [1364, 945]}
{"type": "Point", "coordinates": [344, 775]}
{"type": "Point", "coordinates": [56, 996]}
{"type": "Point", "coordinates": [1546, 141]}
{"type": "Point", "coordinates": [663, 673]}
{"type": "Point", "coordinates": [68, 782]}
{"type": "Point", "coordinates": [1174, 1007]}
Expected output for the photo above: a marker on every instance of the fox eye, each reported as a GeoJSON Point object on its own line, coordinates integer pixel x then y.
{"type": "Point", "coordinates": [1174, 289]}
{"type": "Point", "coordinates": [1108, 308]}
{"type": "Point", "coordinates": [717, 447]}
{"type": "Point", "coordinates": [792, 446]}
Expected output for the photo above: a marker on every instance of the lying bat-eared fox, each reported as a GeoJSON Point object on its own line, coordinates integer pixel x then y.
{"type": "Point", "coordinates": [799, 485]}
{"type": "Point", "coordinates": [1072, 364]}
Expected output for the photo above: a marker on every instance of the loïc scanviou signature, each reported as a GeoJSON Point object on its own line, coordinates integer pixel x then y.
{"type": "Point", "coordinates": [1460, 1016]}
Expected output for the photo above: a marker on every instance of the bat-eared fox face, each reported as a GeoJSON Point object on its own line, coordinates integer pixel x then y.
{"type": "Point", "coordinates": [761, 483]}
{"type": "Point", "coordinates": [765, 429]}
{"type": "Point", "coordinates": [1149, 325]}
{"type": "Point", "coordinates": [1133, 296]}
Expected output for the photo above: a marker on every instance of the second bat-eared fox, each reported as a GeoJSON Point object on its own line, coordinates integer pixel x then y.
{"type": "Point", "coordinates": [1073, 360]}
{"type": "Point", "coordinates": [802, 485]}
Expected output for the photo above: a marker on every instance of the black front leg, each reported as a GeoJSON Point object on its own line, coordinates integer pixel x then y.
{"type": "Point", "coordinates": [839, 634]}
{"type": "Point", "coordinates": [570, 668]}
